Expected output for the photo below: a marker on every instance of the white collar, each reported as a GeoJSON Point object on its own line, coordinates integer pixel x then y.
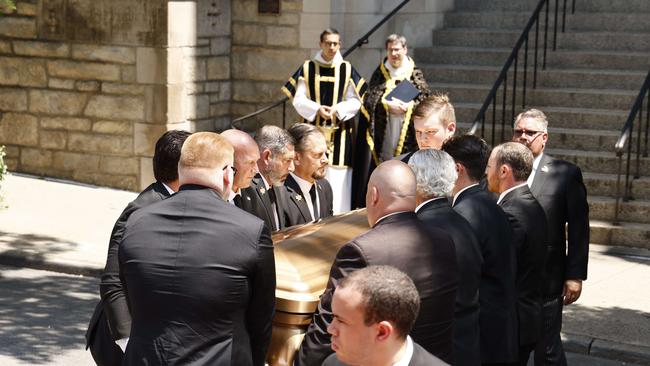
{"type": "Point", "coordinates": [304, 185]}
{"type": "Point", "coordinates": [504, 193]}
{"type": "Point", "coordinates": [453, 203]}
{"type": "Point", "coordinates": [536, 161]}
{"type": "Point", "coordinates": [334, 61]}
{"type": "Point", "coordinates": [427, 201]}
{"type": "Point", "coordinates": [171, 191]}
{"type": "Point", "coordinates": [408, 353]}
{"type": "Point", "coordinates": [401, 71]}
{"type": "Point", "coordinates": [232, 195]}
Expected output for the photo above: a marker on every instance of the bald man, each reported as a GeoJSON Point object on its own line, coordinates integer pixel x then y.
{"type": "Point", "coordinates": [396, 238]}
{"type": "Point", "coordinates": [250, 191]}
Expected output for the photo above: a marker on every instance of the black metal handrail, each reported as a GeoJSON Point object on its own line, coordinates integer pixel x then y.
{"type": "Point", "coordinates": [624, 141]}
{"type": "Point", "coordinates": [502, 79]}
{"type": "Point", "coordinates": [360, 42]}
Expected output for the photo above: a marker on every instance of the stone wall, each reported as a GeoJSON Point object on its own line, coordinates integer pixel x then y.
{"type": "Point", "coordinates": [87, 86]}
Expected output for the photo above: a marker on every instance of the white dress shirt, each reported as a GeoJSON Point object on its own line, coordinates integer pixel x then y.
{"type": "Point", "coordinates": [305, 187]}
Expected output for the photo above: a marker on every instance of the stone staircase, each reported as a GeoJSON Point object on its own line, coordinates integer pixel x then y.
{"type": "Point", "coordinates": [587, 89]}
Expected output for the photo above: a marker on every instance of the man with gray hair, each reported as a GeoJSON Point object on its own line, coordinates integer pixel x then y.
{"type": "Point", "coordinates": [374, 310]}
{"type": "Point", "coordinates": [398, 239]}
{"type": "Point", "coordinates": [435, 174]}
{"type": "Point", "coordinates": [558, 186]}
{"type": "Point", "coordinates": [385, 124]}
{"type": "Point", "coordinates": [265, 196]}
{"type": "Point", "coordinates": [508, 168]}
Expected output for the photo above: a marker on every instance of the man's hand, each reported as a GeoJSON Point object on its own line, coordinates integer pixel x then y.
{"type": "Point", "coordinates": [325, 112]}
{"type": "Point", "coordinates": [396, 106]}
{"type": "Point", "coordinates": [572, 290]}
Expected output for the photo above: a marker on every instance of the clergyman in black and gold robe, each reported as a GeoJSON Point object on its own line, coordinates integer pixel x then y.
{"type": "Point", "coordinates": [386, 126]}
{"type": "Point", "coordinates": [326, 91]}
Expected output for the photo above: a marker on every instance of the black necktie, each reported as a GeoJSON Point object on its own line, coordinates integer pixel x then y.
{"type": "Point", "coordinates": [314, 202]}
{"type": "Point", "coordinates": [271, 193]}
{"type": "Point", "coordinates": [237, 200]}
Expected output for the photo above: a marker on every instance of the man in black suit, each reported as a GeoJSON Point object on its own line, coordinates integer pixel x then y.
{"type": "Point", "coordinates": [266, 197]}
{"type": "Point", "coordinates": [199, 273]}
{"type": "Point", "coordinates": [435, 174]}
{"type": "Point", "coordinates": [398, 239]}
{"type": "Point", "coordinates": [111, 320]}
{"type": "Point", "coordinates": [309, 194]}
{"type": "Point", "coordinates": [558, 186]}
{"type": "Point", "coordinates": [374, 310]}
{"type": "Point", "coordinates": [508, 168]}
{"type": "Point", "coordinates": [497, 292]}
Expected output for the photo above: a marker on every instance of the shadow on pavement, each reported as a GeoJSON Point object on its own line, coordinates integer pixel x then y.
{"type": "Point", "coordinates": [616, 324]}
{"type": "Point", "coordinates": [635, 255]}
{"type": "Point", "coordinates": [43, 313]}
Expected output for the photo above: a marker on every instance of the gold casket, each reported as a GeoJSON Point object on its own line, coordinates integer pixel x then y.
{"type": "Point", "coordinates": [303, 258]}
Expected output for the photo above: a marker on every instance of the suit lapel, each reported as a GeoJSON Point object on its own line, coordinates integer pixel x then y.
{"type": "Point", "coordinates": [543, 170]}
{"type": "Point", "coordinates": [262, 194]}
{"type": "Point", "coordinates": [295, 196]}
{"type": "Point", "coordinates": [321, 200]}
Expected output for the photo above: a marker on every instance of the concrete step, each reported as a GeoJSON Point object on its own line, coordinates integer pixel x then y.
{"type": "Point", "coordinates": [568, 117]}
{"type": "Point", "coordinates": [565, 97]}
{"type": "Point", "coordinates": [605, 185]}
{"type": "Point", "coordinates": [554, 78]}
{"type": "Point", "coordinates": [625, 234]}
{"type": "Point", "coordinates": [604, 162]}
{"type": "Point", "coordinates": [565, 138]}
{"type": "Point", "coordinates": [580, 21]}
{"type": "Point", "coordinates": [560, 59]}
{"type": "Point", "coordinates": [602, 208]}
{"type": "Point", "coordinates": [485, 37]}
{"type": "Point", "coordinates": [614, 6]}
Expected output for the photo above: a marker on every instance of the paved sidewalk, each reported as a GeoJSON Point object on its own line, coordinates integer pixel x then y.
{"type": "Point", "coordinates": [64, 227]}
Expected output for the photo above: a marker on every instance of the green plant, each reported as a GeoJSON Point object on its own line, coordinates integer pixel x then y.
{"type": "Point", "coordinates": [7, 6]}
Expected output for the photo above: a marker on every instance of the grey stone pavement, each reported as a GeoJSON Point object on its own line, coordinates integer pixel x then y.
{"type": "Point", "coordinates": [64, 227]}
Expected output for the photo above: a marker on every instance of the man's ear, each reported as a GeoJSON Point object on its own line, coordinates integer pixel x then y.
{"type": "Point", "coordinates": [451, 128]}
{"type": "Point", "coordinates": [459, 168]}
{"type": "Point", "coordinates": [504, 169]}
{"type": "Point", "coordinates": [266, 156]}
{"type": "Point", "coordinates": [384, 330]}
{"type": "Point", "coordinates": [374, 195]}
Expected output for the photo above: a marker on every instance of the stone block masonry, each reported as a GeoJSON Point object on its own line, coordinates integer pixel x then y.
{"type": "Point", "coordinates": [88, 86]}
{"type": "Point", "coordinates": [69, 105]}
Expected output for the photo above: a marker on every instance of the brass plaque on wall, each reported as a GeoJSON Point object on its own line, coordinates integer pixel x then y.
{"type": "Point", "coordinates": [127, 22]}
{"type": "Point", "coordinates": [268, 6]}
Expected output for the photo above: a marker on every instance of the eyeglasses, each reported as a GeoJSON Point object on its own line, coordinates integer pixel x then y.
{"type": "Point", "coordinates": [234, 170]}
{"type": "Point", "coordinates": [527, 133]}
{"type": "Point", "coordinates": [331, 44]}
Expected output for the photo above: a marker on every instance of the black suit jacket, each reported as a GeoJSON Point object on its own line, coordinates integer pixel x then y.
{"type": "Point", "coordinates": [497, 291]}
{"type": "Point", "coordinates": [111, 319]}
{"type": "Point", "coordinates": [296, 211]}
{"type": "Point", "coordinates": [420, 357]}
{"type": "Point", "coordinates": [427, 256]}
{"type": "Point", "coordinates": [558, 187]}
{"type": "Point", "coordinates": [529, 229]}
{"type": "Point", "coordinates": [256, 200]}
{"type": "Point", "coordinates": [113, 306]}
{"type": "Point", "coordinates": [199, 275]}
{"type": "Point", "coordinates": [438, 214]}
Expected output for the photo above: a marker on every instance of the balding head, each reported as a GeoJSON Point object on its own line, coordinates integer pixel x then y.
{"type": "Point", "coordinates": [391, 188]}
{"type": "Point", "coordinates": [246, 156]}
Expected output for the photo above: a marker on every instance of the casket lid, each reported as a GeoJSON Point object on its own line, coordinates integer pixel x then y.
{"type": "Point", "coordinates": [304, 256]}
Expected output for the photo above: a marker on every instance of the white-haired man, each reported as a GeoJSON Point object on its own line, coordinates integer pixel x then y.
{"type": "Point", "coordinates": [435, 174]}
